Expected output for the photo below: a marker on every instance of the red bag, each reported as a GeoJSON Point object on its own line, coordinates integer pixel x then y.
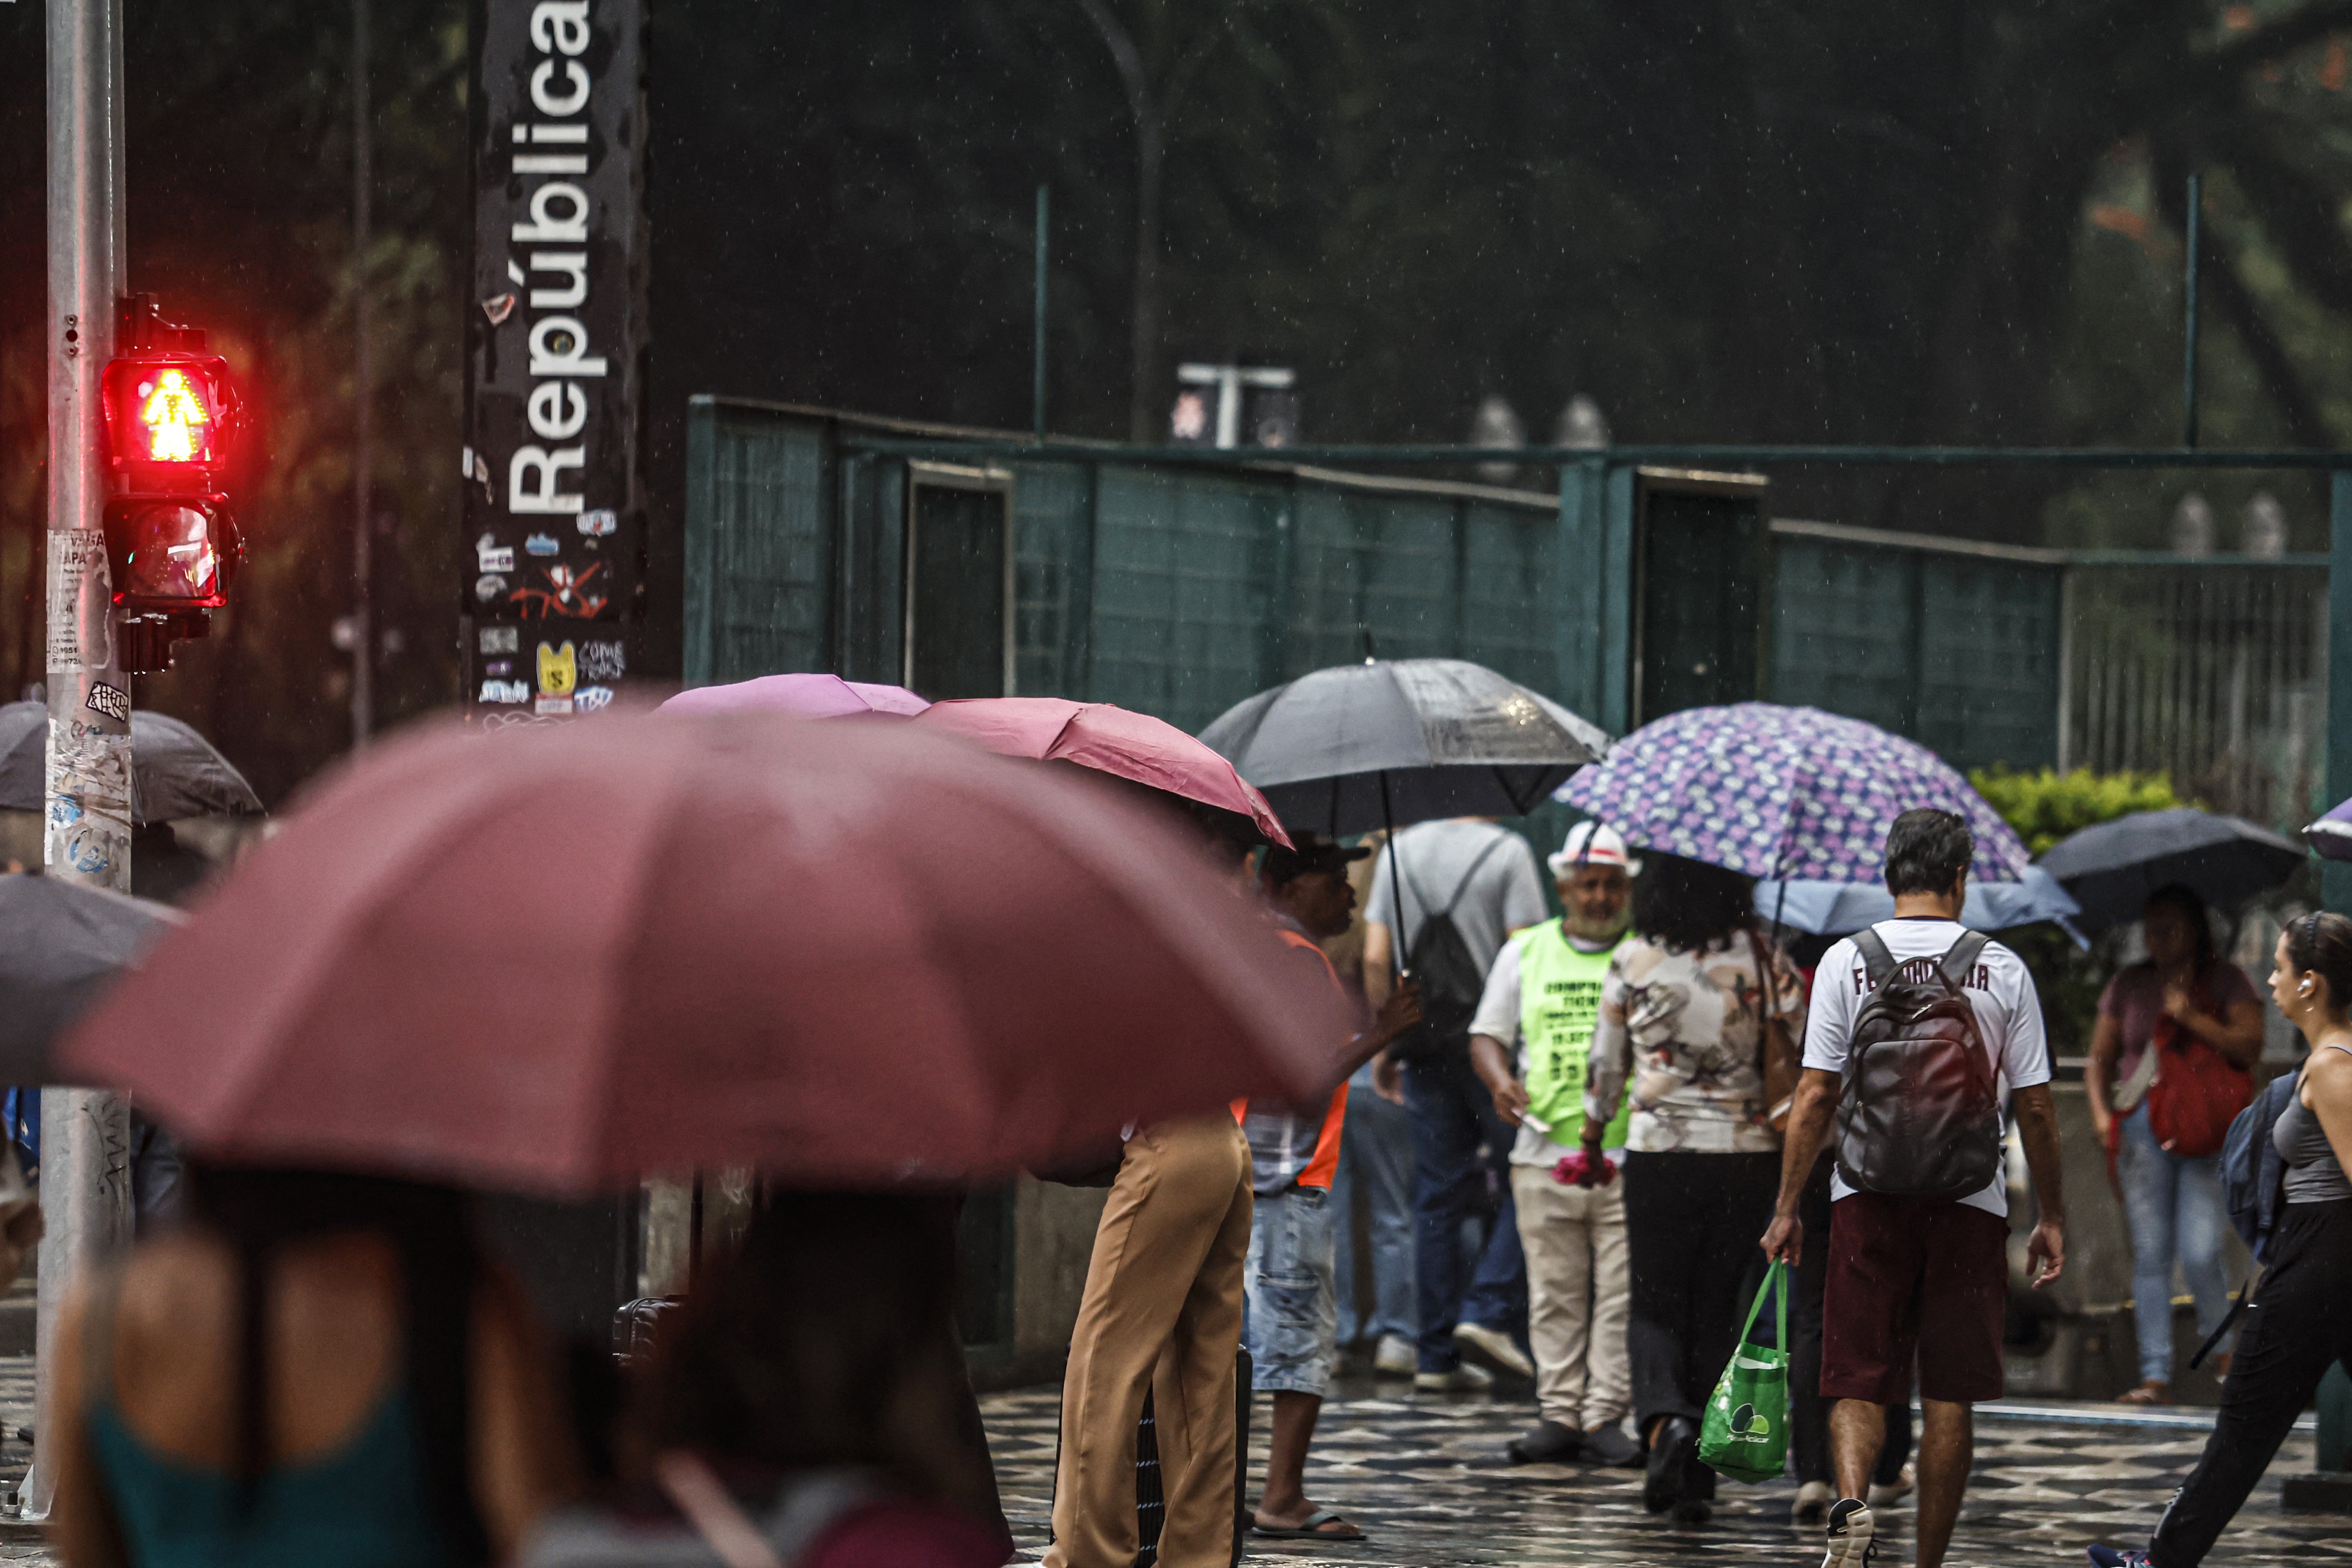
{"type": "Point", "coordinates": [2197, 1091]}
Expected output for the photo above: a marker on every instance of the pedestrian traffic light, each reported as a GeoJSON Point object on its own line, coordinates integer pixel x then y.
{"type": "Point", "coordinates": [172, 419]}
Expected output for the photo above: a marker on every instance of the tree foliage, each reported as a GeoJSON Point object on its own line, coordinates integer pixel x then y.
{"type": "Point", "coordinates": [1956, 220]}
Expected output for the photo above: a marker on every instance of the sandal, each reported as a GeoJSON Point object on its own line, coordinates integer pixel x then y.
{"type": "Point", "coordinates": [1310, 1531]}
{"type": "Point", "coordinates": [2153, 1391]}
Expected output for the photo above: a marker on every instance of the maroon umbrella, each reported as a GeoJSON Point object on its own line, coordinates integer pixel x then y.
{"type": "Point", "coordinates": [798, 696]}
{"type": "Point", "coordinates": [840, 952]}
{"type": "Point", "coordinates": [1108, 739]}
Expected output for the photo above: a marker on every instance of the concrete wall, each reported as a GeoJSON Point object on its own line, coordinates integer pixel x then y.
{"type": "Point", "coordinates": [1054, 1234]}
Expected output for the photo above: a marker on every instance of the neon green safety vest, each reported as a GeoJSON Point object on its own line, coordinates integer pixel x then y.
{"type": "Point", "coordinates": [1560, 1000]}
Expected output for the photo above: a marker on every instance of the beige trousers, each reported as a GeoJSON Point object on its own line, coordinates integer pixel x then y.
{"type": "Point", "coordinates": [1162, 1309]}
{"type": "Point", "coordinates": [1579, 1297]}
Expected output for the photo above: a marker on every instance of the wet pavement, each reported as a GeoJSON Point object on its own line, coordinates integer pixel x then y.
{"type": "Point", "coordinates": [1425, 1478]}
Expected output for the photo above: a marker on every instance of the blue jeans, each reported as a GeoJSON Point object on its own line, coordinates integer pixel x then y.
{"type": "Point", "coordinates": [1376, 1169]}
{"type": "Point", "coordinates": [1461, 1167]}
{"type": "Point", "coordinates": [1287, 1285]}
{"type": "Point", "coordinates": [2176, 1210]}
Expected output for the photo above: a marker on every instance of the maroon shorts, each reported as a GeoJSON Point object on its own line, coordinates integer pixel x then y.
{"type": "Point", "coordinates": [1924, 1277]}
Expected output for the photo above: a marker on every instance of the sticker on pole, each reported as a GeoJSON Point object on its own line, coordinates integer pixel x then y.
{"type": "Point", "coordinates": [81, 627]}
{"type": "Point", "coordinates": [106, 699]}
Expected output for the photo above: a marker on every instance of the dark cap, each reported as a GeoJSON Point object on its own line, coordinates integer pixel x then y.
{"type": "Point", "coordinates": [1311, 852]}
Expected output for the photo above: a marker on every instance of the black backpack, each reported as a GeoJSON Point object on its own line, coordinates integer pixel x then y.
{"type": "Point", "coordinates": [1919, 1113]}
{"type": "Point", "coordinates": [1439, 961]}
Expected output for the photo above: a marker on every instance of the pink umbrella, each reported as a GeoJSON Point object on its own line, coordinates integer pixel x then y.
{"type": "Point", "coordinates": [1111, 740]}
{"type": "Point", "coordinates": [843, 954]}
{"type": "Point", "coordinates": [798, 696]}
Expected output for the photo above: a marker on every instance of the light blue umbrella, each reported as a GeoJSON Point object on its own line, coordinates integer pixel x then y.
{"type": "Point", "coordinates": [1836, 909]}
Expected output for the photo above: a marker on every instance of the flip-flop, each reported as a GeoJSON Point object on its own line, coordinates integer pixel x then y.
{"type": "Point", "coordinates": [1309, 1531]}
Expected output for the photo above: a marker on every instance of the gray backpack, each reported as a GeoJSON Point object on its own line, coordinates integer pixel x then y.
{"type": "Point", "coordinates": [1919, 1111]}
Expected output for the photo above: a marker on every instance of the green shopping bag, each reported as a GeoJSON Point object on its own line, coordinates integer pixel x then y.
{"type": "Point", "coordinates": [1745, 1434]}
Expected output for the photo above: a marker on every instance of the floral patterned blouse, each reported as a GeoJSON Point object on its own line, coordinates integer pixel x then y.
{"type": "Point", "coordinates": [1685, 1030]}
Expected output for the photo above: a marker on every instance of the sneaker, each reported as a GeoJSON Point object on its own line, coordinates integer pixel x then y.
{"type": "Point", "coordinates": [1812, 1504]}
{"type": "Point", "coordinates": [1694, 1510]}
{"type": "Point", "coordinates": [1395, 1357]}
{"type": "Point", "coordinates": [1671, 1454]}
{"type": "Point", "coordinates": [1463, 1379]}
{"type": "Point", "coordinates": [1886, 1494]}
{"type": "Point", "coordinates": [1851, 1535]}
{"type": "Point", "coordinates": [2118, 1557]}
{"type": "Point", "coordinates": [1547, 1443]}
{"type": "Point", "coordinates": [1610, 1446]}
{"type": "Point", "coordinates": [1492, 1347]}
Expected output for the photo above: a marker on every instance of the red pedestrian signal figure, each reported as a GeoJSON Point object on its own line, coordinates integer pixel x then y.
{"type": "Point", "coordinates": [175, 418]}
{"type": "Point", "coordinates": [172, 416]}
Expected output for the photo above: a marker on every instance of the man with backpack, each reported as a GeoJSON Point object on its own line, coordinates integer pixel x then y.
{"type": "Point", "coordinates": [1468, 884]}
{"type": "Point", "coordinates": [1916, 1024]}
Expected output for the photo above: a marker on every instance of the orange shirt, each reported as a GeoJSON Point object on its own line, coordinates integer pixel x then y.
{"type": "Point", "coordinates": [1324, 1163]}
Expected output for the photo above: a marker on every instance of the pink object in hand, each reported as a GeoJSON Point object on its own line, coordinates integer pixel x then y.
{"type": "Point", "coordinates": [1575, 1170]}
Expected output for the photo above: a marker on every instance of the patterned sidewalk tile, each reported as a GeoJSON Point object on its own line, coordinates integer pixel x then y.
{"type": "Point", "coordinates": [1425, 1478]}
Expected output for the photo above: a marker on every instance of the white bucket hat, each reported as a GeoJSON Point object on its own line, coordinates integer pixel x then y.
{"type": "Point", "coordinates": [1593, 844]}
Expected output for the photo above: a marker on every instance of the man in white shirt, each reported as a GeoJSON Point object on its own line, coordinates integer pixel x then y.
{"type": "Point", "coordinates": [1917, 1277]}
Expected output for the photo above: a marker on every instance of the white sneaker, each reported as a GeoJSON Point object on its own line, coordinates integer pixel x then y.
{"type": "Point", "coordinates": [1495, 1348]}
{"type": "Point", "coordinates": [1852, 1531]}
{"type": "Point", "coordinates": [1812, 1504]}
{"type": "Point", "coordinates": [1888, 1493]}
{"type": "Point", "coordinates": [1464, 1379]}
{"type": "Point", "coordinates": [1395, 1357]}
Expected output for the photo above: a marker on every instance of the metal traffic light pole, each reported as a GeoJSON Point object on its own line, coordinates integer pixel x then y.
{"type": "Point", "coordinates": [85, 1133]}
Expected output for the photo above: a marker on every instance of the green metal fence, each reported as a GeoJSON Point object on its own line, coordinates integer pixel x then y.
{"type": "Point", "coordinates": [1178, 589]}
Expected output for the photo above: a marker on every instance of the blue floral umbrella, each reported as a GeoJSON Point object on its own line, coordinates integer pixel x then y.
{"type": "Point", "coordinates": [1790, 793]}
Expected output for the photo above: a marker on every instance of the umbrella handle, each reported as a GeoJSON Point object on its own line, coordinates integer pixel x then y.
{"type": "Point", "coordinates": [1396, 879]}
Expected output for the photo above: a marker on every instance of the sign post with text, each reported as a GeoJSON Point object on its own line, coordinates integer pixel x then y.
{"type": "Point", "coordinates": [555, 511]}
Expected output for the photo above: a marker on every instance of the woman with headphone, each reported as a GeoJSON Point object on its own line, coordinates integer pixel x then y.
{"type": "Point", "coordinates": [2297, 1324]}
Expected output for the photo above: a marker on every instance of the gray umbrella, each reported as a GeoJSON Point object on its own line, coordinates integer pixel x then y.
{"type": "Point", "coordinates": [174, 771]}
{"type": "Point", "coordinates": [60, 946]}
{"type": "Point", "coordinates": [1395, 742]}
{"type": "Point", "coordinates": [2111, 868]}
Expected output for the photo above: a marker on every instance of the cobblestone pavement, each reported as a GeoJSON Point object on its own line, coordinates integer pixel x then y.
{"type": "Point", "coordinates": [1425, 1478]}
{"type": "Point", "coordinates": [18, 1544]}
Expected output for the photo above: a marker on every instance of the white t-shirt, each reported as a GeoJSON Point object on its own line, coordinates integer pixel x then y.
{"type": "Point", "coordinates": [2009, 1015]}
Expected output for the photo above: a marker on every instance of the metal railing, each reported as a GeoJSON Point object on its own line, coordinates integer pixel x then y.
{"type": "Point", "coordinates": [2214, 671]}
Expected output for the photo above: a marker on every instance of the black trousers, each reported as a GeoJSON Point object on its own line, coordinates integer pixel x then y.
{"type": "Point", "coordinates": [1692, 1222]}
{"type": "Point", "coordinates": [2296, 1325]}
{"type": "Point", "coordinates": [1808, 1413]}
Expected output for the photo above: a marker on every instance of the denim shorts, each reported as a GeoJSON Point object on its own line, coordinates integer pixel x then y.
{"type": "Point", "coordinates": [1293, 1311]}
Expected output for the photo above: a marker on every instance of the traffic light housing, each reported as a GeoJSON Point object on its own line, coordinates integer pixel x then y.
{"type": "Point", "coordinates": [173, 418]}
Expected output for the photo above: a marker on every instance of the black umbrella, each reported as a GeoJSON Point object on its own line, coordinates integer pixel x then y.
{"type": "Point", "coordinates": [1388, 742]}
{"type": "Point", "coordinates": [2113, 868]}
{"type": "Point", "coordinates": [60, 946]}
{"type": "Point", "coordinates": [174, 771]}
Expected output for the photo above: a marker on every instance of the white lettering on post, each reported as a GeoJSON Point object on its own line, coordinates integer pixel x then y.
{"type": "Point", "coordinates": [544, 469]}
{"type": "Point", "coordinates": [557, 345]}
{"type": "Point", "coordinates": [558, 410]}
{"type": "Point", "coordinates": [575, 263]}
{"type": "Point", "coordinates": [544, 76]}
{"type": "Point", "coordinates": [544, 226]}
{"type": "Point", "coordinates": [560, 27]}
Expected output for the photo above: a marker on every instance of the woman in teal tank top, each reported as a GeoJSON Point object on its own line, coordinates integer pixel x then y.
{"type": "Point", "coordinates": [315, 1369]}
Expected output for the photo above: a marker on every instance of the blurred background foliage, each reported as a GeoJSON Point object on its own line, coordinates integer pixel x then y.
{"type": "Point", "coordinates": [1952, 221]}
{"type": "Point", "coordinates": [2046, 806]}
